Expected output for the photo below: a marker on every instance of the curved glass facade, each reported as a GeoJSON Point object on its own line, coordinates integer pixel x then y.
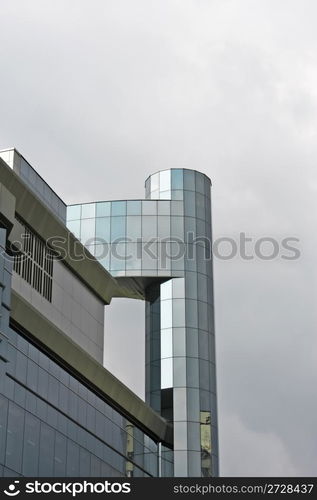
{"type": "Point", "coordinates": [164, 241]}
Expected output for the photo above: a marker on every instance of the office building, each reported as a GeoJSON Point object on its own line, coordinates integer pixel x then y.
{"type": "Point", "coordinates": [62, 413]}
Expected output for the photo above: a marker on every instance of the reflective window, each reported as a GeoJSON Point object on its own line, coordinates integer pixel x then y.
{"type": "Point", "coordinates": [134, 207]}
{"type": "Point", "coordinates": [166, 373]}
{"type": "Point", "coordinates": [192, 372]}
{"type": "Point", "coordinates": [88, 210]}
{"type": "Point", "coordinates": [73, 212]}
{"type": "Point", "coordinates": [87, 231]}
{"type": "Point", "coordinates": [200, 185]}
{"type": "Point", "coordinates": [180, 436]}
{"type": "Point", "coordinates": [163, 207]}
{"type": "Point", "coordinates": [149, 227]}
{"type": "Point", "coordinates": [155, 182]}
{"type": "Point", "coordinates": [189, 203]}
{"type": "Point", "coordinates": [179, 342]}
{"type": "Point", "coordinates": [103, 209]}
{"type": "Point", "coordinates": [165, 180]}
{"type": "Point", "coordinates": [178, 312]}
{"type": "Point", "coordinates": [166, 314]}
{"type": "Point", "coordinates": [166, 343]}
{"type": "Point", "coordinates": [200, 206]}
{"type": "Point", "coordinates": [164, 226]}
{"type": "Point", "coordinates": [189, 180]}
{"type": "Point", "coordinates": [118, 208]}
{"type": "Point", "coordinates": [133, 227]}
{"type": "Point", "coordinates": [118, 228]}
{"type": "Point", "coordinates": [177, 194]}
{"type": "Point", "coordinates": [177, 178]}
{"type": "Point", "coordinates": [103, 229]}
{"type": "Point", "coordinates": [179, 365]}
{"type": "Point", "coordinates": [133, 256]}
{"type": "Point", "coordinates": [149, 207]}
{"type": "Point", "coordinates": [177, 228]}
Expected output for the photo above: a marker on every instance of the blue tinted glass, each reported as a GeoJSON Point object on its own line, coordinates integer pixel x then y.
{"type": "Point", "coordinates": [118, 208]}
{"type": "Point", "coordinates": [103, 229]}
{"type": "Point", "coordinates": [103, 209]}
{"type": "Point", "coordinates": [177, 179]}
{"type": "Point", "coordinates": [117, 228]}
{"type": "Point", "coordinates": [73, 212]}
{"type": "Point", "coordinates": [189, 180]}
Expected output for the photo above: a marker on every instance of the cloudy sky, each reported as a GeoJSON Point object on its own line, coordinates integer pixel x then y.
{"type": "Point", "coordinates": [99, 94]}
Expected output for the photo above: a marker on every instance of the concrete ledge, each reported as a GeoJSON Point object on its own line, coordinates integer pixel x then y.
{"type": "Point", "coordinates": [100, 379]}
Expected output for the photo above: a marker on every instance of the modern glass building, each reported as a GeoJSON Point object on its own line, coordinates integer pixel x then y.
{"type": "Point", "coordinates": [57, 401]}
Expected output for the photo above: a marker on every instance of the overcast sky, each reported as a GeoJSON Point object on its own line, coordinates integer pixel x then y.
{"type": "Point", "coordinates": [99, 94]}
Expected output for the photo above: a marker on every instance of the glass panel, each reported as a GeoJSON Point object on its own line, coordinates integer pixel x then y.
{"type": "Point", "coordinates": [133, 256]}
{"type": "Point", "coordinates": [103, 229]}
{"type": "Point", "coordinates": [203, 315]}
{"type": "Point", "coordinates": [177, 194]}
{"type": "Point", "coordinates": [200, 185]}
{"type": "Point", "coordinates": [177, 228]}
{"type": "Point", "coordinates": [134, 207]}
{"type": "Point", "coordinates": [118, 256]}
{"type": "Point", "coordinates": [166, 373]}
{"type": "Point", "coordinates": [155, 182]}
{"type": "Point", "coordinates": [149, 227]}
{"type": "Point", "coordinates": [118, 228]}
{"type": "Point", "coordinates": [200, 206]}
{"type": "Point", "coordinates": [178, 312]}
{"type": "Point", "coordinates": [133, 227]}
{"type": "Point", "coordinates": [179, 342]}
{"type": "Point", "coordinates": [73, 212]}
{"type": "Point", "coordinates": [166, 343]}
{"type": "Point", "coordinates": [118, 208]}
{"type": "Point", "coordinates": [204, 375]}
{"type": "Point", "coordinates": [177, 207]}
{"type": "Point", "coordinates": [177, 178]}
{"type": "Point", "coordinates": [179, 372]}
{"type": "Point", "coordinates": [191, 285]}
{"type": "Point", "coordinates": [189, 203]}
{"type": "Point", "coordinates": [14, 437]}
{"type": "Point", "coordinates": [192, 372]}
{"type": "Point", "coordinates": [166, 314]}
{"type": "Point", "coordinates": [166, 290]}
{"type": "Point", "coordinates": [165, 195]}
{"type": "Point", "coordinates": [205, 443]}
{"type": "Point", "coordinates": [165, 180]}
{"type": "Point", "coordinates": [87, 231]}
{"type": "Point", "coordinates": [149, 207]}
{"type": "Point", "coordinates": [149, 256]}
{"type": "Point", "coordinates": [164, 226]}
{"type": "Point", "coordinates": [46, 458]}
{"type": "Point", "coordinates": [103, 209]}
{"type": "Point", "coordinates": [31, 445]}
{"type": "Point", "coordinates": [163, 207]}
{"type": "Point", "coordinates": [180, 436]}
{"type": "Point", "coordinates": [189, 180]}
{"type": "Point", "coordinates": [88, 210]}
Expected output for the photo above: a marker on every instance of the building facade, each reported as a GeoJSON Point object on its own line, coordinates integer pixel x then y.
{"type": "Point", "coordinates": [61, 412]}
